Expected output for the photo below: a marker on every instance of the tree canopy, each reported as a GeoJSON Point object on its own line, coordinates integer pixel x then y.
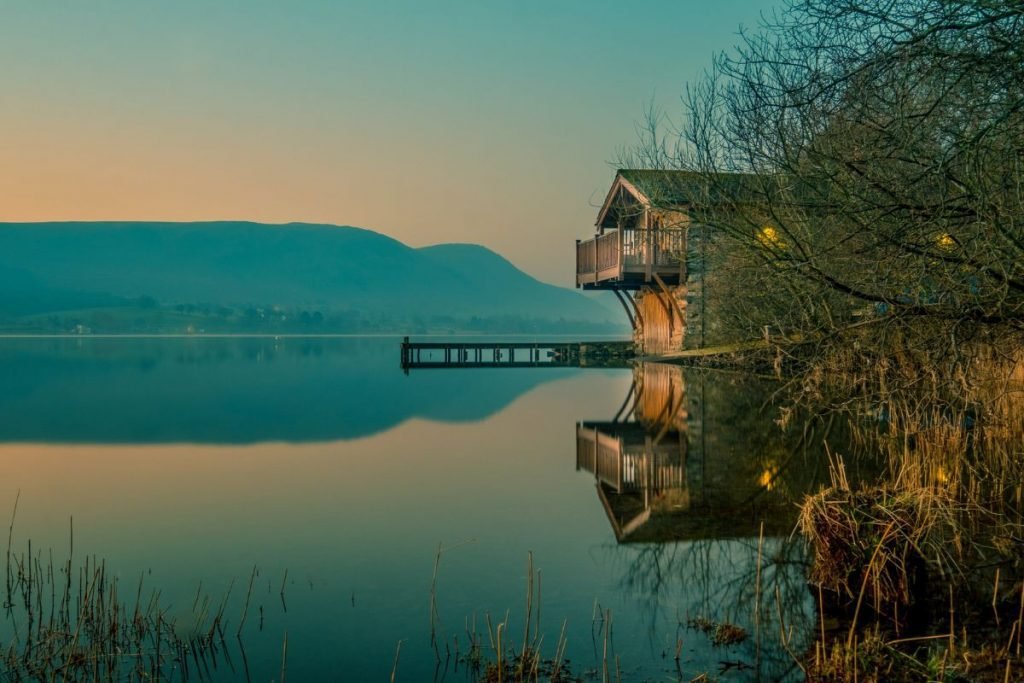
{"type": "Point", "coordinates": [887, 142]}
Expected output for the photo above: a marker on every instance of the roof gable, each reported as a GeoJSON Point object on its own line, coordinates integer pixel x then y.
{"type": "Point", "coordinates": [621, 187]}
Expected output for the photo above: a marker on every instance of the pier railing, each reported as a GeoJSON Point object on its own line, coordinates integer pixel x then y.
{"type": "Point", "coordinates": [503, 354]}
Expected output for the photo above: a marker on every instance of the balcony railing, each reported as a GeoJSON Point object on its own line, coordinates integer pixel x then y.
{"type": "Point", "coordinates": [620, 253]}
{"type": "Point", "coordinates": [625, 461]}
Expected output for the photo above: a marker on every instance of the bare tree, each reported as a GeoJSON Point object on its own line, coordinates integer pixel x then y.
{"type": "Point", "coordinates": [863, 164]}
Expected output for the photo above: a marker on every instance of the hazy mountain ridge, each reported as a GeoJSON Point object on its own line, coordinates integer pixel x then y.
{"type": "Point", "coordinates": [330, 270]}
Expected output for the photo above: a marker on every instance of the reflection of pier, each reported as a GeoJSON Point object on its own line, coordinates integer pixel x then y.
{"type": "Point", "coordinates": [487, 354]}
{"type": "Point", "coordinates": [426, 355]}
{"type": "Point", "coordinates": [703, 460]}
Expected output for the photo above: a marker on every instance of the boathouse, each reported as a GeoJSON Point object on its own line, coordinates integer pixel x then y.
{"type": "Point", "coordinates": [648, 250]}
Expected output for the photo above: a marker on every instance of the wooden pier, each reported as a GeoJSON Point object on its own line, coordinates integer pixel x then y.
{"type": "Point", "coordinates": [498, 354]}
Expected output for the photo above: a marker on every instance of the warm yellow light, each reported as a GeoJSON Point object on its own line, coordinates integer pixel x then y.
{"type": "Point", "coordinates": [769, 236]}
{"type": "Point", "coordinates": [767, 478]}
{"type": "Point", "coordinates": [946, 241]}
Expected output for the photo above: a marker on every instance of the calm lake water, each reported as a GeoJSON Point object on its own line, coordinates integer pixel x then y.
{"type": "Point", "coordinates": [191, 461]}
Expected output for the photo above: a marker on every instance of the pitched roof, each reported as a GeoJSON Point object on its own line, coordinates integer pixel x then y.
{"type": "Point", "coordinates": [676, 189]}
{"type": "Point", "coordinates": [692, 187]}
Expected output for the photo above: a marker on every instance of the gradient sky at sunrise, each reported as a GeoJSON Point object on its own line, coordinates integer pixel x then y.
{"type": "Point", "coordinates": [488, 122]}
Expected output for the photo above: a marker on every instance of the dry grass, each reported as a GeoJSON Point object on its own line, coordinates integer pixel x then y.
{"type": "Point", "coordinates": [873, 542]}
{"type": "Point", "coordinates": [72, 624]}
{"type": "Point", "coordinates": [720, 633]}
{"type": "Point", "coordinates": [496, 655]}
{"type": "Point", "coordinates": [871, 658]}
{"type": "Point", "coordinates": [946, 518]}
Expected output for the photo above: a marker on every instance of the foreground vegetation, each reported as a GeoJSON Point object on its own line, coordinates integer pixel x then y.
{"type": "Point", "coordinates": [863, 216]}
{"type": "Point", "coordinates": [78, 622]}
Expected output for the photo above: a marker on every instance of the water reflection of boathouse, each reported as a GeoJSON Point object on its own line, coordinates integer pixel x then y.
{"type": "Point", "coordinates": [696, 455]}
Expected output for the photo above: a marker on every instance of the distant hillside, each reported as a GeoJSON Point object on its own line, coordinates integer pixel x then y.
{"type": "Point", "coordinates": [238, 273]}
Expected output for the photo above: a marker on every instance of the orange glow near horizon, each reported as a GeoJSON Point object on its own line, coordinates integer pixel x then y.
{"type": "Point", "coordinates": [474, 122]}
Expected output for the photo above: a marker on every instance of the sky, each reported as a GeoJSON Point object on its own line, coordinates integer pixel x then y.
{"type": "Point", "coordinates": [459, 121]}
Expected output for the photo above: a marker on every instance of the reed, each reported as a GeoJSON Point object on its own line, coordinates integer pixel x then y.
{"type": "Point", "coordinates": [87, 631]}
{"type": "Point", "coordinates": [502, 661]}
{"type": "Point", "coordinates": [284, 657]}
{"type": "Point", "coordinates": [394, 667]}
{"type": "Point", "coordinates": [248, 597]}
{"type": "Point", "coordinates": [928, 534]}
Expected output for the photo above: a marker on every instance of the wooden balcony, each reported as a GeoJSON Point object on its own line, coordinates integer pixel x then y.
{"type": "Point", "coordinates": [623, 457]}
{"type": "Point", "coordinates": [630, 258]}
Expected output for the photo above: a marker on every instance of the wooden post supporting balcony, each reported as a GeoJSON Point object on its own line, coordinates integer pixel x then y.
{"type": "Point", "coordinates": [618, 251]}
